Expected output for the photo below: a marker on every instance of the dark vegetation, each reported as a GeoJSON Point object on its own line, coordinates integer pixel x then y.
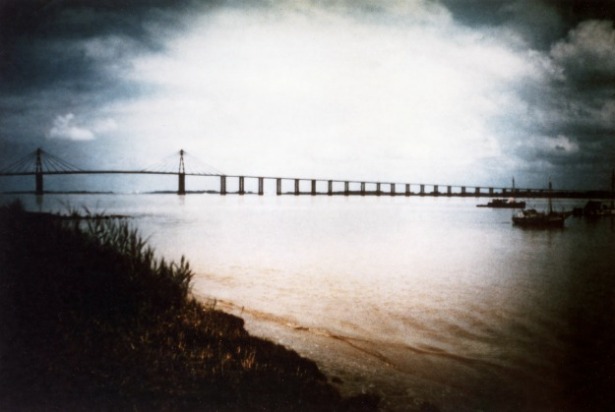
{"type": "Point", "coordinates": [91, 321]}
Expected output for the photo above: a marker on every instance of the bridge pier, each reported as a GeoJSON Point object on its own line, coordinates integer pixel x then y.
{"type": "Point", "coordinates": [39, 183]}
{"type": "Point", "coordinates": [313, 187]}
{"type": "Point", "coordinates": [407, 189]}
{"type": "Point", "coordinates": [296, 187]}
{"type": "Point", "coordinates": [378, 192]}
{"type": "Point", "coordinates": [330, 187]}
{"type": "Point", "coordinates": [346, 188]}
{"type": "Point", "coordinates": [490, 191]}
{"type": "Point", "coordinates": [362, 188]}
{"type": "Point", "coordinates": [436, 190]}
{"type": "Point", "coordinates": [242, 189]}
{"type": "Point", "coordinates": [392, 189]}
{"type": "Point", "coordinates": [222, 185]}
{"type": "Point", "coordinates": [463, 190]}
{"type": "Point", "coordinates": [261, 186]}
{"type": "Point", "coordinates": [449, 190]}
{"type": "Point", "coordinates": [181, 190]}
{"type": "Point", "coordinates": [477, 191]}
{"type": "Point", "coordinates": [422, 193]}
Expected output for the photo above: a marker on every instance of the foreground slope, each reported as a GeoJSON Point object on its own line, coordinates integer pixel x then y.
{"type": "Point", "coordinates": [91, 320]}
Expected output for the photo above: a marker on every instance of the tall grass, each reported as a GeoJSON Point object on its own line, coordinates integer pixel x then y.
{"type": "Point", "coordinates": [91, 319]}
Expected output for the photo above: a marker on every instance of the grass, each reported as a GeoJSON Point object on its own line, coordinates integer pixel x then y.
{"type": "Point", "coordinates": [91, 320]}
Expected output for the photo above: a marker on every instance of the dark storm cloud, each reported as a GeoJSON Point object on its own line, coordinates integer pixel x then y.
{"type": "Point", "coordinates": [63, 57]}
{"type": "Point", "coordinates": [38, 38]}
{"type": "Point", "coordinates": [539, 22]}
{"type": "Point", "coordinates": [575, 102]}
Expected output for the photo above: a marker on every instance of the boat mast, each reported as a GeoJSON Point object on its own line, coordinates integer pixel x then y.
{"type": "Point", "coordinates": [613, 189]}
{"type": "Point", "coordinates": [549, 194]}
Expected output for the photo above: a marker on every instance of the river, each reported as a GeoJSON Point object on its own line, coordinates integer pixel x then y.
{"type": "Point", "coordinates": [416, 299]}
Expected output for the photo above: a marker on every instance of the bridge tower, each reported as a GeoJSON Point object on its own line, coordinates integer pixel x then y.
{"type": "Point", "coordinates": [39, 172]}
{"type": "Point", "coordinates": [612, 190]}
{"type": "Point", "coordinates": [181, 190]}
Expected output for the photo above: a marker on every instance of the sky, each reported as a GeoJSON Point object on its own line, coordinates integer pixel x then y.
{"type": "Point", "coordinates": [459, 92]}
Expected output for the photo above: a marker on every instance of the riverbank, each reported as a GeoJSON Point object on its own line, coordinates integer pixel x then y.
{"type": "Point", "coordinates": [92, 320]}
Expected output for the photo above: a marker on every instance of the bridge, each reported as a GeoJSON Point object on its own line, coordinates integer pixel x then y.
{"type": "Point", "coordinates": [40, 163]}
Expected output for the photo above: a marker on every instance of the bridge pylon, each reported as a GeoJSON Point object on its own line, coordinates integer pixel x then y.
{"type": "Point", "coordinates": [181, 189]}
{"type": "Point", "coordinates": [38, 173]}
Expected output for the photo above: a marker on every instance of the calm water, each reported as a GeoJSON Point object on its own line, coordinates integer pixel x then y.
{"type": "Point", "coordinates": [412, 298]}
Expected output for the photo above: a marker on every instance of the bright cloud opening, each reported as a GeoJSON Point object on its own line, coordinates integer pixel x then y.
{"type": "Point", "coordinates": [67, 127]}
{"type": "Point", "coordinates": [288, 89]}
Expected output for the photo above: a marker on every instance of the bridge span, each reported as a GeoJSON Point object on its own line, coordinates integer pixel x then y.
{"type": "Point", "coordinates": [40, 163]}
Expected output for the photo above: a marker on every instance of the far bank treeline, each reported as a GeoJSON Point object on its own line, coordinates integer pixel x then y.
{"type": "Point", "coordinates": [91, 320]}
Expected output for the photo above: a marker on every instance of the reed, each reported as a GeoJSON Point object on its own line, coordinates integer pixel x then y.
{"type": "Point", "coordinates": [91, 319]}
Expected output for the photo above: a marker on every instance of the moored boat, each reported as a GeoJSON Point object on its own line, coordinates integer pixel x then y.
{"type": "Point", "coordinates": [535, 219]}
{"type": "Point", "coordinates": [594, 208]}
{"type": "Point", "coordinates": [504, 203]}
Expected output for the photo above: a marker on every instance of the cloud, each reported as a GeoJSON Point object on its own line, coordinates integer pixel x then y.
{"type": "Point", "coordinates": [66, 127]}
{"type": "Point", "coordinates": [297, 82]}
{"type": "Point", "coordinates": [559, 145]}
{"type": "Point", "coordinates": [397, 89]}
{"type": "Point", "coordinates": [587, 56]}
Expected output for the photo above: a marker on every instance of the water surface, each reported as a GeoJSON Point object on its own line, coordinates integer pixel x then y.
{"type": "Point", "coordinates": [417, 299]}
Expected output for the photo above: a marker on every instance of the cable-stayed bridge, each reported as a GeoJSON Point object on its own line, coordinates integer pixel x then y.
{"type": "Point", "coordinates": [41, 163]}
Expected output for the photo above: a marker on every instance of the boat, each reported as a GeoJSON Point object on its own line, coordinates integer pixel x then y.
{"type": "Point", "coordinates": [532, 218]}
{"type": "Point", "coordinates": [596, 208]}
{"type": "Point", "coordinates": [505, 203]}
